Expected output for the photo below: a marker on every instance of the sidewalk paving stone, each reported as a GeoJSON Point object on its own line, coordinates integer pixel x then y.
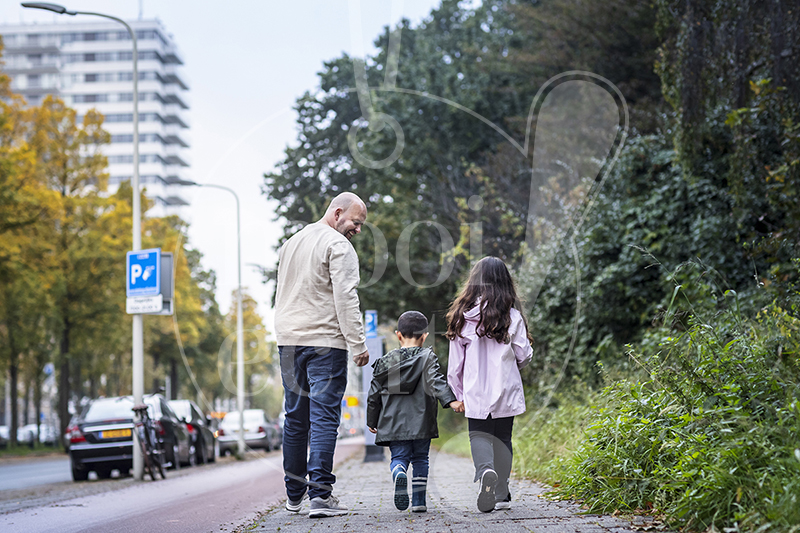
{"type": "Point", "coordinates": [366, 489]}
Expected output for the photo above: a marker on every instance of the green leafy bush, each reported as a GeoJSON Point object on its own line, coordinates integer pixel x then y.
{"type": "Point", "coordinates": [712, 437]}
{"type": "Point", "coordinates": [545, 437]}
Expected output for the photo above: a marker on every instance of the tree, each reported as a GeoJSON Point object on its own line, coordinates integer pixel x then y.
{"type": "Point", "coordinates": [25, 205]}
{"type": "Point", "coordinates": [444, 56]}
{"type": "Point", "coordinates": [160, 331]}
{"type": "Point", "coordinates": [88, 234]}
{"type": "Point", "coordinates": [259, 352]}
{"type": "Point", "coordinates": [730, 73]}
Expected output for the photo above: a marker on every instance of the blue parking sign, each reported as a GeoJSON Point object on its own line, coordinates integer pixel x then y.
{"type": "Point", "coordinates": [371, 324]}
{"type": "Point", "coordinates": [143, 273]}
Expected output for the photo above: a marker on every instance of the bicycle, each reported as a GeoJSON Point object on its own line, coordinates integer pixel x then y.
{"type": "Point", "coordinates": [152, 447]}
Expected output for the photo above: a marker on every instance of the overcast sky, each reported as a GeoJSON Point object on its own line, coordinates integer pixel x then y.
{"type": "Point", "coordinates": [246, 62]}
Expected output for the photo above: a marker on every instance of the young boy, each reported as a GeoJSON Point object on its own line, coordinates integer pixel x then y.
{"type": "Point", "coordinates": [401, 408]}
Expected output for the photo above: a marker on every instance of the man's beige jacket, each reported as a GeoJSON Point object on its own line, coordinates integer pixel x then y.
{"type": "Point", "coordinates": [316, 303]}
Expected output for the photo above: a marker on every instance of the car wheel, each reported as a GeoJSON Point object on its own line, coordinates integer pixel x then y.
{"type": "Point", "coordinates": [201, 454]}
{"type": "Point", "coordinates": [214, 452]}
{"type": "Point", "coordinates": [192, 456]}
{"type": "Point", "coordinates": [176, 459]}
{"type": "Point", "coordinates": [79, 473]}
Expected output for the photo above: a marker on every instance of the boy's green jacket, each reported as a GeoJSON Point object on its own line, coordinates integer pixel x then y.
{"type": "Point", "coordinates": [402, 397]}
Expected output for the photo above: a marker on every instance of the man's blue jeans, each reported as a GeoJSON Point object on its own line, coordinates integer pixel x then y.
{"type": "Point", "coordinates": [314, 379]}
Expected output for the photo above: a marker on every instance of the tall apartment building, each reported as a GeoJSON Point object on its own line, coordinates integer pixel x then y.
{"type": "Point", "coordinates": [89, 65]}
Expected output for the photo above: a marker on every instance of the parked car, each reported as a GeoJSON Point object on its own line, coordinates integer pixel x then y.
{"type": "Point", "coordinates": [26, 435]}
{"type": "Point", "coordinates": [101, 437]}
{"type": "Point", "coordinates": [278, 434]}
{"type": "Point", "coordinates": [201, 434]}
{"type": "Point", "coordinates": [47, 433]}
{"type": "Point", "coordinates": [258, 431]}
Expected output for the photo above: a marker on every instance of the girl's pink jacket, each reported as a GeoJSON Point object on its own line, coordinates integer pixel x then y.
{"type": "Point", "coordinates": [484, 373]}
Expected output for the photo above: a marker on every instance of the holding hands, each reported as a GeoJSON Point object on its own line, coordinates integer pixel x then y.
{"type": "Point", "coordinates": [457, 406]}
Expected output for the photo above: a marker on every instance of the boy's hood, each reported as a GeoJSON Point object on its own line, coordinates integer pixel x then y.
{"type": "Point", "coordinates": [399, 369]}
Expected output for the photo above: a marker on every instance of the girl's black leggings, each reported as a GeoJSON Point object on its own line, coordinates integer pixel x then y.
{"type": "Point", "coordinates": [490, 442]}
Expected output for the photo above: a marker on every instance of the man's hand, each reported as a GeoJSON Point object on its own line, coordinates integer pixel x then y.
{"type": "Point", "coordinates": [457, 407]}
{"type": "Point", "coordinates": [372, 430]}
{"type": "Point", "coordinates": [361, 359]}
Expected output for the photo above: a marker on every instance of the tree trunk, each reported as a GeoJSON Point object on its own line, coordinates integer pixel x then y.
{"type": "Point", "coordinates": [37, 401]}
{"type": "Point", "coordinates": [156, 363]}
{"type": "Point", "coordinates": [13, 382]}
{"type": "Point", "coordinates": [26, 404]}
{"type": "Point", "coordinates": [77, 379]}
{"type": "Point", "coordinates": [63, 381]}
{"type": "Point", "coordinates": [173, 379]}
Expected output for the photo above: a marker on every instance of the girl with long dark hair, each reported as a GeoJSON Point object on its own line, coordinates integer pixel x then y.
{"type": "Point", "coordinates": [489, 344]}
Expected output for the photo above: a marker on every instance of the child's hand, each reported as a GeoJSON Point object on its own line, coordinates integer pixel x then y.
{"type": "Point", "coordinates": [372, 430]}
{"type": "Point", "coordinates": [457, 407]}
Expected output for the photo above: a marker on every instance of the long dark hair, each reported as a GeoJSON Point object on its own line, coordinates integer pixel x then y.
{"type": "Point", "coordinates": [490, 281]}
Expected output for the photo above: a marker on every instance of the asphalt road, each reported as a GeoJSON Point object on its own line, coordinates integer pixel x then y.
{"type": "Point", "coordinates": [204, 499]}
{"type": "Point", "coordinates": [23, 473]}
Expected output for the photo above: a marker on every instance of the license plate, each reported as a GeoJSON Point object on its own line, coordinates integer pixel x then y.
{"type": "Point", "coordinates": [115, 433]}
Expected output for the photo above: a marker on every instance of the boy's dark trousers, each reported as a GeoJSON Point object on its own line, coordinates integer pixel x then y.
{"type": "Point", "coordinates": [490, 442]}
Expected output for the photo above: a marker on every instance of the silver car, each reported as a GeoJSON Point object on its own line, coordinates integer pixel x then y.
{"type": "Point", "coordinates": [259, 432]}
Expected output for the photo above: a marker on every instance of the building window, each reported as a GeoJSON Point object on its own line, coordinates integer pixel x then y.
{"type": "Point", "coordinates": [123, 117]}
{"type": "Point", "coordinates": [34, 80]}
{"type": "Point", "coordinates": [90, 78]}
{"type": "Point", "coordinates": [89, 98]}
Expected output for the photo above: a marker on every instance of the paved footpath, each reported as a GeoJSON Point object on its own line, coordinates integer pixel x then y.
{"type": "Point", "coordinates": [366, 489]}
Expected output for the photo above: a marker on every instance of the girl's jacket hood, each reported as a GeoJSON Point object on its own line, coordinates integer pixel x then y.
{"type": "Point", "coordinates": [474, 314]}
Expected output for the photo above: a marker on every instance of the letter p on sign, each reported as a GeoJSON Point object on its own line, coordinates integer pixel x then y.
{"type": "Point", "coordinates": [136, 272]}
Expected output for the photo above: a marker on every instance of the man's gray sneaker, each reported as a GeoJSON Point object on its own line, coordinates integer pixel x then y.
{"type": "Point", "coordinates": [327, 507]}
{"type": "Point", "coordinates": [295, 506]}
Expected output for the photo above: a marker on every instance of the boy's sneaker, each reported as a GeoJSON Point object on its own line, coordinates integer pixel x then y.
{"type": "Point", "coordinates": [295, 506]}
{"type": "Point", "coordinates": [486, 501]}
{"type": "Point", "coordinates": [401, 490]}
{"type": "Point", "coordinates": [326, 507]}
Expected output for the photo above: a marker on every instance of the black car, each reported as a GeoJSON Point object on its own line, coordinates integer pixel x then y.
{"type": "Point", "coordinates": [101, 437]}
{"type": "Point", "coordinates": [201, 434]}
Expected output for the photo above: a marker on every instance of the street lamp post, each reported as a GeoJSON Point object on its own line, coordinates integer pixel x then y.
{"type": "Point", "coordinates": [239, 321]}
{"type": "Point", "coordinates": [137, 342]}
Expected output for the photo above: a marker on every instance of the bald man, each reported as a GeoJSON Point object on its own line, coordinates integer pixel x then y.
{"type": "Point", "coordinates": [317, 320]}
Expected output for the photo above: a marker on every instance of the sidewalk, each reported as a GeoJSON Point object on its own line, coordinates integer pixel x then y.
{"type": "Point", "coordinates": [367, 490]}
